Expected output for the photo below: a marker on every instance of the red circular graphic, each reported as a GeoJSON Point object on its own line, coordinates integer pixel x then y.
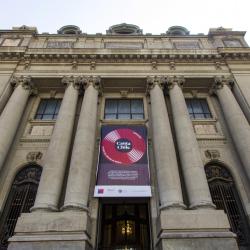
{"type": "Point", "coordinates": [123, 146]}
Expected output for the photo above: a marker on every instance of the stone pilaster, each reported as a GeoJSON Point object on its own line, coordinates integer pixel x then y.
{"type": "Point", "coordinates": [55, 159]}
{"type": "Point", "coordinates": [236, 121]}
{"type": "Point", "coordinates": [12, 113]}
{"type": "Point", "coordinates": [164, 151]}
{"type": "Point", "coordinates": [81, 164]}
{"type": "Point", "coordinates": [192, 165]}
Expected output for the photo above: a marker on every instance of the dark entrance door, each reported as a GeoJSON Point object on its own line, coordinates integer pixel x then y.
{"type": "Point", "coordinates": [125, 226]}
{"type": "Point", "coordinates": [226, 197]}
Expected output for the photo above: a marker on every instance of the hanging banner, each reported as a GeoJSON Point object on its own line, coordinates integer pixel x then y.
{"type": "Point", "coordinates": [123, 162]}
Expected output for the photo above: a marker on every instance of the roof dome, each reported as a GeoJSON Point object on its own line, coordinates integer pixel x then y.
{"type": "Point", "coordinates": [124, 29]}
{"type": "Point", "coordinates": [69, 30]}
{"type": "Point", "coordinates": [177, 31]}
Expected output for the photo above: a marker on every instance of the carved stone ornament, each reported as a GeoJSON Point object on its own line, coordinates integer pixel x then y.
{"type": "Point", "coordinates": [24, 81]}
{"type": "Point", "coordinates": [172, 80]}
{"type": "Point", "coordinates": [212, 154]}
{"type": "Point", "coordinates": [95, 81]}
{"type": "Point", "coordinates": [155, 80]}
{"type": "Point", "coordinates": [220, 81]}
{"type": "Point", "coordinates": [34, 156]}
{"type": "Point", "coordinates": [75, 81]}
{"type": "Point", "coordinates": [172, 65]}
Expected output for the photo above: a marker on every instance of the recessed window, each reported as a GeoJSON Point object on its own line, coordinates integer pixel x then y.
{"type": "Point", "coordinates": [48, 109]}
{"type": "Point", "coordinates": [124, 109]}
{"type": "Point", "coordinates": [198, 108]}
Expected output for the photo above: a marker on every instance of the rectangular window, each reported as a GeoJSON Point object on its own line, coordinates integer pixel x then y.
{"type": "Point", "coordinates": [48, 109]}
{"type": "Point", "coordinates": [198, 108]}
{"type": "Point", "coordinates": [124, 109]}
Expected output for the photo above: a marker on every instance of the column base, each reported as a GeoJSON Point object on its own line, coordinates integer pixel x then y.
{"type": "Point", "coordinates": [173, 205]}
{"type": "Point", "coordinates": [46, 230]}
{"type": "Point", "coordinates": [44, 208]}
{"type": "Point", "coordinates": [204, 229]}
{"type": "Point", "coordinates": [202, 205]}
{"type": "Point", "coordinates": [75, 206]}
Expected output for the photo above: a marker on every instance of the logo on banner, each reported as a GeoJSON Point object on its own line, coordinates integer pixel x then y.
{"type": "Point", "coordinates": [123, 146]}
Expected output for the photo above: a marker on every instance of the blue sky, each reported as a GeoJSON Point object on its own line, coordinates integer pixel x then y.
{"type": "Point", "coordinates": [153, 16]}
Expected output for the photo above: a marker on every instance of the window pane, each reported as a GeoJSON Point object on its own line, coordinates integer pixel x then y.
{"type": "Point", "coordinates": [58, 106]}
{"type": "Point", "coordinates": [199, 116]}
{"type": "Point", "coordinates": [198, 108]}
{"type": "Point", "coordinates": [137, 116]}
{"type": "Point", "coordinates": [208, 115]}
{"type": "Point", "coordinates": [189, 106]}
{"type": "Point", "coordinates": [110, 116]}
{"type": "Point", "coordinates": [136, 106]}
{"type": "Point", "coordinates": [47, 117]}
{"type": "Point", "coordinates": [38, 117]}
{"type": "Point", "coordinates": [124, 109]}
{"type": "Point", "coordinates": [48, 109]}
{"type": "Point", "coordinates": [123, 116]}
{"type": "Point", "coordinates": [204, 106]}
{"type": "Point", "coordinates": [110, 106]}
{"type": "Point", "coordinates": [41, 107]}
{"type": "Point", "coordinates": [124, 106]}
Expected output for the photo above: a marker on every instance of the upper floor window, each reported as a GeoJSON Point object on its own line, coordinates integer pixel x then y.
{"type": "Point", "coordinates": [48, 109]}
{"type": "Point", "coordinates": [198, 108]}
{"type": "Point", "coordinates": [124, 109]}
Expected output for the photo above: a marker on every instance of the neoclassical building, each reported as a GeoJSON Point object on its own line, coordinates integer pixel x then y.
{"type": "Point", "coordinates": [124, 140]}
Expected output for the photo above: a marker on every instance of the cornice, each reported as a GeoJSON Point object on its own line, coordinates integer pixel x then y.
{"type": "Point", "coordinates": [123, 55]}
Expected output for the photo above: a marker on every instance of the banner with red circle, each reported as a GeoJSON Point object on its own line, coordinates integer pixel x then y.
{"type": "Point", "coordinates": [123, 162]}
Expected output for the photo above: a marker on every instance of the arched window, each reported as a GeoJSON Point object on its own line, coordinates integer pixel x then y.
{"type": "Point", "coordinates": [225, 196]}
{"type": "Point", "coordinates": [21, 198]}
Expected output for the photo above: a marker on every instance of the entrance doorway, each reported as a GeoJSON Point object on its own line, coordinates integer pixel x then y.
{"type": "Point", "coordinates": [125, 227]}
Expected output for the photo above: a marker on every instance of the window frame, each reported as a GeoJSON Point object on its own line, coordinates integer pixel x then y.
{"type": "Point", "coordinates": [211, 112]}
{"type": "Point", "coordinates": [128, 97]}
{"type": "Point", "coordinates": [54, 115]}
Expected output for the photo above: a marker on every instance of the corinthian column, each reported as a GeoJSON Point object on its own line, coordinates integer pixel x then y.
{"type": "Point", "coordinates": [81, 164]}
{"type": "Point", "coordinates": [12, 113]}
{"type": "Point", "coordinates": [55, 159]}
{"type": "Point", "coordinates": [192, 165]}
{"type": "Point", "coordinates": [165, 155]}
{"type": "Point", "coordinates": [235, 119]}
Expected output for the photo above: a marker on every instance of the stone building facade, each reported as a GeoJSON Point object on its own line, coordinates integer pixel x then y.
{"type": "Point", "coordinates": [190, 92]}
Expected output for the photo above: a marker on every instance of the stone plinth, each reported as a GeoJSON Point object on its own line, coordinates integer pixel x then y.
{"type": "Point", "coordinates": [52, 230]}
{"type": "Point", "coordinates": [204, 229]}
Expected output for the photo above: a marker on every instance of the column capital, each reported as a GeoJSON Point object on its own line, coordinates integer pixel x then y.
{"type": "Point", "coordinates": [221, 81]}
{"type": "Point", "coordinates": [175, 80]}
{"type": "Point", "coordinates": [75, 81]}
{"type": "Point", "coordinates": [155, 80]}
{"type": "Point", "coordinates": [24, 81]}
{"type": "Point", "coordinates": [94, 81]}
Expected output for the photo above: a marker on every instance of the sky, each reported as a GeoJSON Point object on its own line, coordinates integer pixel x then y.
{"type": "Point", "coordinates": [153, 16]}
